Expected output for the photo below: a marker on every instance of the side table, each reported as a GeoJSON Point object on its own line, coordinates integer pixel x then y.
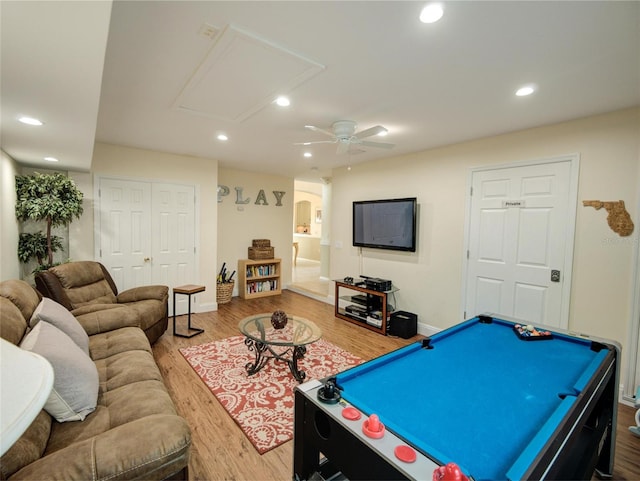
{"type": "Point", "coordinates": [187, 290]}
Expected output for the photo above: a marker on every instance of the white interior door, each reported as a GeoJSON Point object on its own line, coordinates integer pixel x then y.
{"type": "Point", "coordinates": [520, 242]}
{"type": "Point", "coordinates": [147, 234]}
{"type": "Point", "coordinates": [173, 234]}
{"type": "Point", "coordinates": [124, 226]}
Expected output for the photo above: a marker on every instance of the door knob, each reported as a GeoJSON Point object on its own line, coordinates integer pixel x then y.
{"type": "Point", "coordinates": [147, 259]}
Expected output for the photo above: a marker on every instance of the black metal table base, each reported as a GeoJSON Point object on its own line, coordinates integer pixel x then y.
{"type": "Point", "coordinates": [263, 352]}
{"type": "Point", "coordinates": [191, 331]}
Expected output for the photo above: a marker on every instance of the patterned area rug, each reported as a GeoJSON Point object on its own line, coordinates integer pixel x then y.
{"type": "Point", "coordinates": [262, 404]}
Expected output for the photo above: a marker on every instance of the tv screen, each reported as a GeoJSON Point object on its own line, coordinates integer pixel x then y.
{"type": "Point", "coordinates": [385, 224]}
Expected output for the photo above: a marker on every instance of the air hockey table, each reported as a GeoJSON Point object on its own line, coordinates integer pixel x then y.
{"type": "Point", "coordinates": [481, 394]}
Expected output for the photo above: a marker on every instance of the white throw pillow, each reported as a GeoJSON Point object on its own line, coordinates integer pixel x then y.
{"type": "Point", "coordinates": [54, 313]}
{"type": "Point", "coordinates": [75, 385]}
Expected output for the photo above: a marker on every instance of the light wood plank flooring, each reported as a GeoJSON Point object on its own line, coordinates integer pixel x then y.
{"type": "Point", "coordinates": [220, 449]}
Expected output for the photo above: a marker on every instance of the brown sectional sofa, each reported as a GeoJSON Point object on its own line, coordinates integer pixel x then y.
{"type": "Point", "coordinates": [87, 289]}
{"type": "Point", "coordinates": [134, 431]}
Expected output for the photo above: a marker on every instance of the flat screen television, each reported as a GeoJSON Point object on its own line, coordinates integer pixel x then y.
{"type": "Point", "coordinates": [385, 224]}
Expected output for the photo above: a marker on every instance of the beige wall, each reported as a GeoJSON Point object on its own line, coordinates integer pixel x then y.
{"type": "Point", "coordinates": [130, 163]}
{"type": "Point", "coordinates": [239, 224]}
{"type": "Point", "coordinates": [9, 228]}
{"type": "Point", "coordinates": [430, 280]}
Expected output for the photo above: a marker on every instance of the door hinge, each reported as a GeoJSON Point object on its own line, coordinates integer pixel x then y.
{"type": "Point", "coordinates": [467, 253]}
{"type": "Point", "coordinates": [471, 191]}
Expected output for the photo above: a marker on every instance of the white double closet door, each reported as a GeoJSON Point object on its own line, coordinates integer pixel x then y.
{"type": "Point", "coordinates": [145, 233]}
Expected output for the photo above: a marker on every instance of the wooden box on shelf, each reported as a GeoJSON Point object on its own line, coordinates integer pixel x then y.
{"type": "Point", "coordinates": [259, 278]}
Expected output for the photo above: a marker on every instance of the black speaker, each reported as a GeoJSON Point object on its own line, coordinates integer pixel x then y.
{"type": "Point", "coordinates": [403, 324]}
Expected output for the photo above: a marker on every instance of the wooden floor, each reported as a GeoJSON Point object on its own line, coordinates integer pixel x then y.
{"type": "Point", "coordinates": [222, 452]}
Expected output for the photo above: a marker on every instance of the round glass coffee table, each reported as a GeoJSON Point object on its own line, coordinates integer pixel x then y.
{"type": "Point", "coordinates": [287, 344]}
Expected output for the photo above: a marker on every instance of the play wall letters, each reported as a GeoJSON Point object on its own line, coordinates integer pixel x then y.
{"type": "Point", "coordinates": [261, 198]}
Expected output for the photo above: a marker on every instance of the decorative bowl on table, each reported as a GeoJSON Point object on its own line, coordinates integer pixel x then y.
{"type": "Point", "coordinates": [279, 319]}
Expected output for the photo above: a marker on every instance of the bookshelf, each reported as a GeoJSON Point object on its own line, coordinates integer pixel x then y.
{"type": "Point", "coordinates": [259, 278]}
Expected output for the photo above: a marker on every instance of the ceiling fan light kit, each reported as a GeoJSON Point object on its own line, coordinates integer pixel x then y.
{"type": "Point", "coordinates": [343, 133]}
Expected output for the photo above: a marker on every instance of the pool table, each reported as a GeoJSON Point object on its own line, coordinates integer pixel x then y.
{"type": "Point", "coordinates": [497, 403]}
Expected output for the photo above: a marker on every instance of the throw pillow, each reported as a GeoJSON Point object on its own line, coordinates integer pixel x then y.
{"type": "Point", "coordinates": [54, 313]}
{"type": "Point", "coordinates": [75, 385]}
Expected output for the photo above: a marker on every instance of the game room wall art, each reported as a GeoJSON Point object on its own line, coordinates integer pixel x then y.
{"type": "Point", "coordinates": [617, 216]}
{"type": "Point", "coordinates": [261, 198]}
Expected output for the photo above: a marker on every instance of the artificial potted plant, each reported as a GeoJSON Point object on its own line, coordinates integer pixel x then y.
{"type": "Point", "coordinates": [52, 198]}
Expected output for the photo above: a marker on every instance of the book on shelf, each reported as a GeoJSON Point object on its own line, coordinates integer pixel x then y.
{"type": "Point", "coordinates": [262, 286]}
{"type": "Point", "coordinates": [261, 270]}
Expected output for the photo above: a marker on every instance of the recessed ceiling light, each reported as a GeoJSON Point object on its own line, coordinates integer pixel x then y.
{"type": "Point", "coordinates": [30, 120]}
{"type": "Point", "coordinates": [431, 13]}
{"type": "Point", "coordinates": [307, 154]}
{"type": "Point", "coordinates": [51, 159]}
{"type": "Point", "coordinates": [283, 101]}
{"type": "Point", "coordinates": [222, 137]}
{"type": "Point", "coordinates": [525, 90]}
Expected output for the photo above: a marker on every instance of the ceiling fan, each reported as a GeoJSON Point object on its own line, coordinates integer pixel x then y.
{"type": "Point", "coordinates": [343, 133]}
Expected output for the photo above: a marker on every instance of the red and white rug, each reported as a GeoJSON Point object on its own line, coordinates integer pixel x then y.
{"type": "Point", "coordinates": [261, 404]}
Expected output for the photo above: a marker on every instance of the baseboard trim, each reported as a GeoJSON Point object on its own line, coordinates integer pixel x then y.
{"type": "Point", "coordinates": [427, 330]}
{"type": "Point", "coordinates": [206, 307]}
{"type": "Point", "coordinates": [312, 295]}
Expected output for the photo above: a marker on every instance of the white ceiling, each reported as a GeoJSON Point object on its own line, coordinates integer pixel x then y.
{"type": "Point", "coordinates": [177, 73]}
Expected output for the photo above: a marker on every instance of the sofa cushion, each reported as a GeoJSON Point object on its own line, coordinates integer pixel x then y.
{"type": "Point", "coordinates": [50, 311]}
{"type": "Point", "coordinates": [84, 283]}
{"type": "Point", "coordinates": [13, 325]}
{"type": "Point", "coordinates": [29, 447]}
{"type": "Point", "coordinates": [126, 368]}
{"type": "Point", "coordinates": [117, 407]}
{"type": "Point", "coordinates": [19, 300]}
{"type": "Point", "coordinates": [75, 385]}
{"type": "Point", "coordinates": [110, 343]}
{"type": "Point", "coordinates": [151, 448]}
{"type": "Point", "coordinates": [148, 311]}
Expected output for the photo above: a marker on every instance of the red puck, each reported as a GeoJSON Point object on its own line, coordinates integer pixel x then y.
{"type": "Point", "coordinates": [350, 413]}
{"type": "Point", "coordinates": [405, 453]}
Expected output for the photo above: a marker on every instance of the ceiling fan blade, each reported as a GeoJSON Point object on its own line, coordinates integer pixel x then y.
{"type": "Point", "coordinates": [316, 142]}
{"type": "Point", "coordinates": [318, 129]}
{"type": "Point", "coordinates": [377, 144]}
{"type": "Point", "coordinates": [370, 131]}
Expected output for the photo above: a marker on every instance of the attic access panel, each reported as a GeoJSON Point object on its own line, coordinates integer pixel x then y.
{"type": "Point", "coordinates": [251, 68]}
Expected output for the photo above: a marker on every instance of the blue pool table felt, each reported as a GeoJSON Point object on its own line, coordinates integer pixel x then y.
{"type": "Point", "coordinates": [482, 397]}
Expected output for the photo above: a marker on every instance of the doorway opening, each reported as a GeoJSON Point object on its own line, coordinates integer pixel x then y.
{"type": "Point", "coordinates": [310, 255]}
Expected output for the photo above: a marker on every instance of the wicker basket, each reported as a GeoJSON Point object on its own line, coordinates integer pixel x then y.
{"type": "Point", "coordinates": [259, 253]}
{"type": "Point", "coordinates": [261, 243]}
{"type": "Point", "coordinates": [223, 291]}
